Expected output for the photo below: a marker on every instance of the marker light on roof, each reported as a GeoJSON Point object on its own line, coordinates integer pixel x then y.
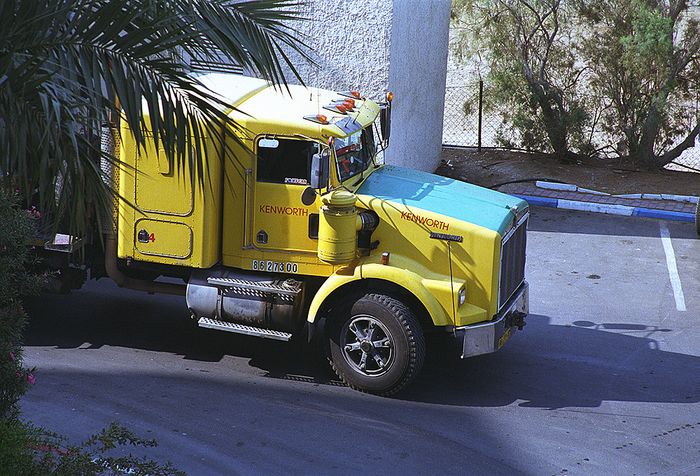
{"type": "Point", "coordinates": [317, 118]}
{"type": "Point", "coordinates": [349, 105]}
{"type": "Point", "coordinates": [350, 101]}
{"type": "Point", "coordinates": [351, 94]}
{"type": "Point", "coordinates": [337, 106]}
{"type": "Point", "coordinates": [389, 96]}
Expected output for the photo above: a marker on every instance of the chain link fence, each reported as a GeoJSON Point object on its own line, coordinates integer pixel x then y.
{"type": "Point", "coordinates": [468, 119]}
{"type": "Point", "coordinates": [472, 119]}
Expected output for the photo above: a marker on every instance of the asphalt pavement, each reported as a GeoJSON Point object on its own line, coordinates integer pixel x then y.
{"type": "Point", "coordinates": [605, 378]}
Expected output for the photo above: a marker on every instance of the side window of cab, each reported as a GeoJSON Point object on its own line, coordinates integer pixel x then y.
{"type": "Point", "coordinates": [286, 161]}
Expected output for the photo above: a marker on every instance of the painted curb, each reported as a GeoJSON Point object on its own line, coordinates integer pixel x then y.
{"type": "Point", "coordinates": [622, 210]}
{"type": "Point", "coordinates": [567, 187]}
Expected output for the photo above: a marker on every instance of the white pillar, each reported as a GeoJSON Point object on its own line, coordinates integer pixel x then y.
{"type": "Point", "coordinates": [417, 71]}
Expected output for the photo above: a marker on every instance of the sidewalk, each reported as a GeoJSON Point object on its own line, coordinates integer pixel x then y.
{"type": "Point", "coordinates": [573, 198]}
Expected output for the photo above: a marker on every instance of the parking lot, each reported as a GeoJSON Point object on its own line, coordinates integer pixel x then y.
{"type": "Point", "coordinates": [605, 378]}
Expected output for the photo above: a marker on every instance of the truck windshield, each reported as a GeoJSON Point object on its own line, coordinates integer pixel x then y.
{"type": "Point", "coordinates": [354, 153]}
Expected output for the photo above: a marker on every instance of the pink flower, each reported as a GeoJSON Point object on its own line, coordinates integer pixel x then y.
{"type": "Point", "coordinates": [34, 212]}
{"type": "Point", "coordinates": [31, 378]}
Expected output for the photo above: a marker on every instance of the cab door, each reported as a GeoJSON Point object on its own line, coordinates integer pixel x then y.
{"type": "Point", "coordinates": [281, 221]}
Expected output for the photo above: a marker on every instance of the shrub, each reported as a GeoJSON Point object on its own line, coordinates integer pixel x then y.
{"type": "Point", "coordinates": [24, 449]}
{"type": "Point", "coordinates": [29, 451]}
{"type": "Point", "coordinates": [16, 280]}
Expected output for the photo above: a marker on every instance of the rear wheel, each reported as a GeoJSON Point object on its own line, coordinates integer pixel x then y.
{"type": "Point", "coordinates": [697, 218]}
{"type": "Point", "coordinates": [376, 344]}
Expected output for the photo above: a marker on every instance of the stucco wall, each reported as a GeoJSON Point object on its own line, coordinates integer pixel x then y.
{"type": "Point", "coordinates": [350, 40]}
{"type": "Point", "coordinates": [380, 45]}
{"type": "Point", "coordinates": [417, 69]}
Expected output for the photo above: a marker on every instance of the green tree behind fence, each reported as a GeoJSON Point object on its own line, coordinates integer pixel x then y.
{"type": "Point", "coordinates": [578, 78]}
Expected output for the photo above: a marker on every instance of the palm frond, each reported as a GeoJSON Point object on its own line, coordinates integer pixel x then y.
{"type": "Point", "coordinates": [68, 66]}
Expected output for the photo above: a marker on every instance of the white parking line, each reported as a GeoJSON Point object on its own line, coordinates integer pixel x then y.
{"type": "Point", "coordinates": [672, 268]}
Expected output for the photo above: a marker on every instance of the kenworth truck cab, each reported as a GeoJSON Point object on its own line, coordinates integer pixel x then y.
{"type": "Point", "coordinates": [300, 229]}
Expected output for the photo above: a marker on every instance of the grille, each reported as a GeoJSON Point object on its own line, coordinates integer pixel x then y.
{"type": "Point", "coordinates": [512, 272]}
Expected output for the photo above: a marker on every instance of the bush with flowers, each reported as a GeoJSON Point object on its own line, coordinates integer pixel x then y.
{"type": "Point", "coordinates": [16, 280]}
{"type": "Point", "coordinates": [25, 449]}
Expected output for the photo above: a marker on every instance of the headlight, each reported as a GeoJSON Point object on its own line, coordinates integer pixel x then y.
{"type": "Point", "coordinates": [461, 296]}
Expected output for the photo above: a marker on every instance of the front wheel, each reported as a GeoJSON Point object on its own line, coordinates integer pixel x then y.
{"type": "Point", "coordinates": [376, 344]}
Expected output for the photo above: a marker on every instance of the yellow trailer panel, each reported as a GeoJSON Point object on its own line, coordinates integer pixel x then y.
{"type": "Point", "coordinates": [166, 217]}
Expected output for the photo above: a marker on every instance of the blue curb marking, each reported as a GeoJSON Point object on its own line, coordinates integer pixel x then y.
{"type": "Point", "coordinates": [663, 214]}
{"type": "Point", "coordinates": [636, 211]}
{"type": "Point", "coordinates": [540, 201]}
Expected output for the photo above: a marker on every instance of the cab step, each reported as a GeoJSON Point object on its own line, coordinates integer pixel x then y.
{"type": "Point", "coordinates": [288, 288]}
{"type": "Point", "coordinates": [243, 329]}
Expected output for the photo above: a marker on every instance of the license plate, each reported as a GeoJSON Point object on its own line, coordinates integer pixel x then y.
{"type": "Point", "coordinates": [506, 335]}
{"type": "Point", "coordinates": [275, 267]}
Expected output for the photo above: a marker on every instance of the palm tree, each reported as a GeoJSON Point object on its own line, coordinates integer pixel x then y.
{"type": "Point", "coordinates": [69, 66]}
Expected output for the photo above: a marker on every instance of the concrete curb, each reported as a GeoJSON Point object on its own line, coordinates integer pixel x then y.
{"type": "Point", "coordinates": [609, 209]}
{"type": "Point", "coordinates": [567, 187]}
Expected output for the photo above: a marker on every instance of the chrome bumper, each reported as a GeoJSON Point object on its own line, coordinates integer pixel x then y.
{"type": "Point", "coordinates": [488, 337]}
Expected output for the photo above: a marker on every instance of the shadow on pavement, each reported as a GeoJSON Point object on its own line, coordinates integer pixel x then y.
{"type": "Point", "coordinates": [102, 315]}
{"type": "Point", "coordinates": [545, 366]}
{"type": "Point", "coordinates": [574, 222]}
{"type": "Point", "coordinates": [552, 366]}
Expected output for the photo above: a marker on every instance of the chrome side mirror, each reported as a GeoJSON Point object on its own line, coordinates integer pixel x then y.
{"type": "Point", "coordinates": [319, 170]}
{"type": "Point", "coordinates": [385, 120]}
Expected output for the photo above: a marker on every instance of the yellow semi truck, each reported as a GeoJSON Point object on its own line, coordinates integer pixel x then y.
{"type": "Point", "coordinates": [298, 228]}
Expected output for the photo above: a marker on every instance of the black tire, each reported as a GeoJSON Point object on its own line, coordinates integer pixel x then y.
{"type": "Point", "coordinates": [697, 218]}
{"type": "Point", "coordinates": [383, 330]}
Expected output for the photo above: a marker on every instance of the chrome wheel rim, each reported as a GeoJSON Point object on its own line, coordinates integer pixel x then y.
{"type": "Point", "coordinates": [367, 345]}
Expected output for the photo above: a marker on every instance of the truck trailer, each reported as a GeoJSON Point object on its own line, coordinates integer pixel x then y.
{"type": "Point", "coordinates": [297, 228]}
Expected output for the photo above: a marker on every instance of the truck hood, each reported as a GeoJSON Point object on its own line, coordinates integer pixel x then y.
{"type": "Point", "coordinates": [459, 200]}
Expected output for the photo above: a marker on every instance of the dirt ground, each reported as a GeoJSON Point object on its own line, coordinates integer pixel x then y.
{"type": "Point", "coordinates": [491, 168]}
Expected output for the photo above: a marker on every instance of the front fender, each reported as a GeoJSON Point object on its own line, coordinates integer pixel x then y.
{"type": "Point", "coordinates": [401, 277]}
